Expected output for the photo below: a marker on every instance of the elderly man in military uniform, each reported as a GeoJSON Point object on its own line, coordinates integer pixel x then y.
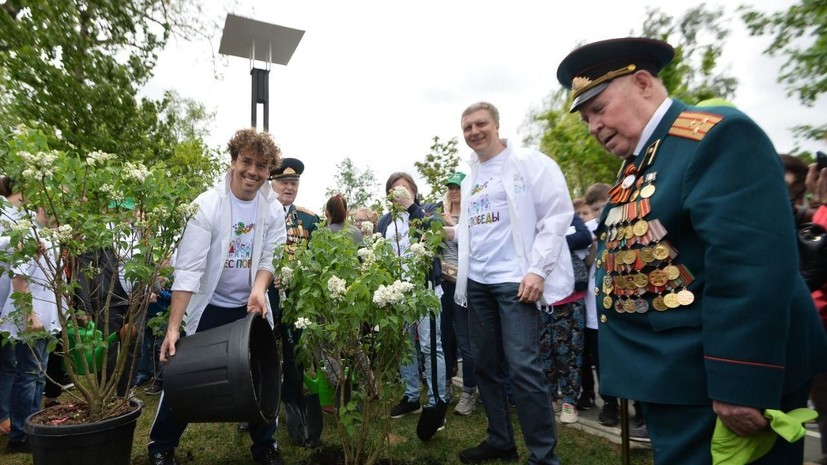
{"type": "Point", "coordinates": [703, 314]}
{"type": "Point", "coordinates": [300, 223]}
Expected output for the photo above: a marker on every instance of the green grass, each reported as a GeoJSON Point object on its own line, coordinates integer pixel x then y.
{"type": "Point", "coordinates": [219, 443]}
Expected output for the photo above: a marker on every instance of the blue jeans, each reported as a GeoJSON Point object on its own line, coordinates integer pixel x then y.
{"type": "Point", "coordinates": [410, 372]}
{"type": "Point", "coordinates": [166, 430]}
{"type": "Point", "coordinates": [460, 313]}
{"type": "Point", "coordinates": [505, 332]}
{"type": "Point", "coordinates": [27, 387]}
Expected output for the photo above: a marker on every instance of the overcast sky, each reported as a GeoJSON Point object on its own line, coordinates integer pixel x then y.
{"type": "Point", "coordinates": [377, 80]}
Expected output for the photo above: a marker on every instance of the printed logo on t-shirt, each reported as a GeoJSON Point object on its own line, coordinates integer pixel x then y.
{"type": "Point", "coordinates": [479, 208]}
{"type": "Point", "coordinates": [241, 249]}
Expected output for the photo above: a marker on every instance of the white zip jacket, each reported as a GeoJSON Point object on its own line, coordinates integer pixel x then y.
{"type": "Point", "coordinates": [541, 212]}
{"type": "Point", "coordinates": [206, 243]}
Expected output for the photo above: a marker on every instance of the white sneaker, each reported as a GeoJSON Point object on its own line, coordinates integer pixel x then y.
{"type": "Point", "coordinates": [465, 406]}
{"type": "Point", "coordinates": [569, 414]}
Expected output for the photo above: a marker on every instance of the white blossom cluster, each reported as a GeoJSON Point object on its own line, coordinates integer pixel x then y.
{"type": "Point", "coordinates": [400, 192]}
{"type": "Point", "coordinates": [188, 210]}
{"type": "Point", "coordinates": [337, 287]}
{"type": "Point", "coordinates": [366, 228]}
{"type": "Point", "coordinates": [98, 158]}
{"type": "Point", "coordinates": [367, 257]}
{"type": "Point", "coordinates": [59, 235]}
{"type": "Point", "coordinates": [38, 164]}
{"type": "Point", "coordinates": [286, 276]}
{"type": "Point", "coordinates": [391, 295]}
{"type": "Point", "coordinates": [302, 323]}
{"type": "Point", "coordinates": [20, 226]}
{"type": "Point", "coordinates": [419, 250]}
{"type": "Point", "coordinates": [136, 171]}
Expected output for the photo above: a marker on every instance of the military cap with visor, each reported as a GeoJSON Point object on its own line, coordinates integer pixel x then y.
{"type": "Point", "coordinates": [588, 70]}
{"type": "Point", "coordinates": [290, 168]}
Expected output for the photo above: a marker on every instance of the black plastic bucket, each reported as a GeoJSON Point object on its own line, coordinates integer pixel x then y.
{"type": "Point", "coordinates": [107, 441]}
{"type": "Point", "coordinates": [229, 373]}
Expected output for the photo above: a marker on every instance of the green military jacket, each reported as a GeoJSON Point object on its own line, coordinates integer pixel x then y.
{"type": "Point", "coordinates": [698, 290]}
{"type": "Point", "coordinates": [301, 223]}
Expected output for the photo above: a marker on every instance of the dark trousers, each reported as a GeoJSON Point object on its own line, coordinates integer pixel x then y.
{"type": "Point", "coordinates": [446, 331]}
{"type": "Point", "coordinates": [166, 430]}
{"type": "Point", "coordinates": [682, 434]}
{"type": "Point", "coordinates": [55, 373]}
{"type": "Point", "coordinates": [590, 359]}
{"type": "Point", "coordinates": [117, 319]}
{"type": "Point", "coordinates": [292, 382]}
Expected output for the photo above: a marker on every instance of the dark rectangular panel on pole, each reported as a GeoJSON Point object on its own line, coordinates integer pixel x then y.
{"type": "Point", "coordinates": [260, 94]}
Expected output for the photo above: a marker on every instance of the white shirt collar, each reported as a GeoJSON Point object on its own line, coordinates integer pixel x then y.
{"type": "Point", "coordinates": [651, 125]}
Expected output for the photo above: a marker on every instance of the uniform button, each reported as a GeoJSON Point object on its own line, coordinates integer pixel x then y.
{"type": "Point", "coordinates": [596, 289]}
{"type": "Point", "coordinates": [603, 318]}
{"type": "Point", "coordinates": [602, 236]}
{"type": "Point", "coordinates": [599, 263]}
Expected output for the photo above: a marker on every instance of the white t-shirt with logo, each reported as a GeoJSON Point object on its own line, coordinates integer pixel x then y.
{"type": "Point", "coordinates": [492, 257]}
{"type": "Point", "coordinates": [234, 285]}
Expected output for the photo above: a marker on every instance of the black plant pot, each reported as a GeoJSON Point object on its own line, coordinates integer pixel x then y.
{"type": "Point", "coordinates": [225, 374]}
{"type": "Point", "coordinates": [108, 441]}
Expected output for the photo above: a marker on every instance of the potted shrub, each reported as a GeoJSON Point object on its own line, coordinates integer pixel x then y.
{"type": "Point", "coordinates": [100, 211]}
{"type": "Point", "coordinates": [354, 303]}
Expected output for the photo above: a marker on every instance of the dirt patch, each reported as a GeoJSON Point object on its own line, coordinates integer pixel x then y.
{"type": "Point", "coordinates": [76, 413]}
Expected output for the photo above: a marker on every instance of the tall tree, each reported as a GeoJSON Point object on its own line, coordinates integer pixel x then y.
{"type": "Point", "coordinates": [440, 163]}
{"type": "Point", "coordinates": [800, 35]}
{"type": "Point", "coordinates": [73, 68]}
{"type": "Point", "coordinates": [358, 187]}
{"type": "Point", "coordinates": [698, 37]}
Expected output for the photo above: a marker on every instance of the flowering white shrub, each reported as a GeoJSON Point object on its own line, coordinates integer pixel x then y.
{"type": "Point", "coordinates": [337, 288]}
{"type": "Point", "coordinates": [303, 323]}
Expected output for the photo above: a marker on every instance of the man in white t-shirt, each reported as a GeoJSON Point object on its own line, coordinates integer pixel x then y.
{"type": "Point", "coordinates": [223, 266]}
{"type": "Point", "coordinates": [513, 259]}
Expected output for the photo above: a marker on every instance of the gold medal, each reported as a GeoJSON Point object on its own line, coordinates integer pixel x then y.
{"type": "Point", "coordinates": [671, 300]}
{"type": "Point", "coordinates": [647, 255]}
{"type": "Point", "coordinates": [641, 280]}
{"type": "Point", "coordinates": [607, 302]}
{"type": "Point", "coordinates": [635, 193]}
{"type": "Point", "coordinates": [686, 297]}
{"type": "Point", "coordinates": [672, 272]}
{"type": "Point", "coordinates": [658, 278]}
{"type": "Point", "coordinates": [647, 191]}
{"type": "Point", "coordinates": [640, 228]}
{"type": "Point", "coordinates": [629, 257]}
{"type": "Point", "coordinates": [629, 306]}
{"type": "Point", "coordinates": [660, 252]}
{"type": "Point", "coordinates": [658, 304]}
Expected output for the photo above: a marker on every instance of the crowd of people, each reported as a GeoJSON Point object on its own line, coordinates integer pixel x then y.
{"type": "Point", "coordinates": [678, 286]}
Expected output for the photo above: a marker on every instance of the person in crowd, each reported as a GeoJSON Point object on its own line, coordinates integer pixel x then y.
{"type": "Point", "coordinates": [300, 224]}
{"type": "Point", "coordinates": [561, 331]}
{"type": "Point", "coordinates": [816, 195]}
{"type": "Point", "coordinates": [8, 212]}
{"type": "Point", "coordinates": [696, 322]}
{"type": "Point", "coordinates": [513, 259]}
{"type": "Point", "coordinates": [587, 388]}
{"type": "Point", "coordinates": [597, 196]}
{"type": "Point", "coordinates": [582, 209]}
{"type": "Point", "coordinates": [395, 227]}
{"type": "Point", "coordinates": [25, 362]}
{"type": "Point", "coordinates": [336, 213]}
{"type": "Point", "coordinates": [238, 220]}
{"type": "Point", "coordinates": [365, 219]}
{"type": "Point", "coordinates": [451, 311]}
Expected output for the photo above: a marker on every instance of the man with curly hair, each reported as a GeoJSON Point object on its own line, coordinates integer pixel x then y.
{"type": "Point", "coordinates": [223, 267]}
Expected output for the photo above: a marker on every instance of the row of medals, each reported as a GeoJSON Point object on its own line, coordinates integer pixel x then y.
{"type": "Point", "coordinates": [632, 230]}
